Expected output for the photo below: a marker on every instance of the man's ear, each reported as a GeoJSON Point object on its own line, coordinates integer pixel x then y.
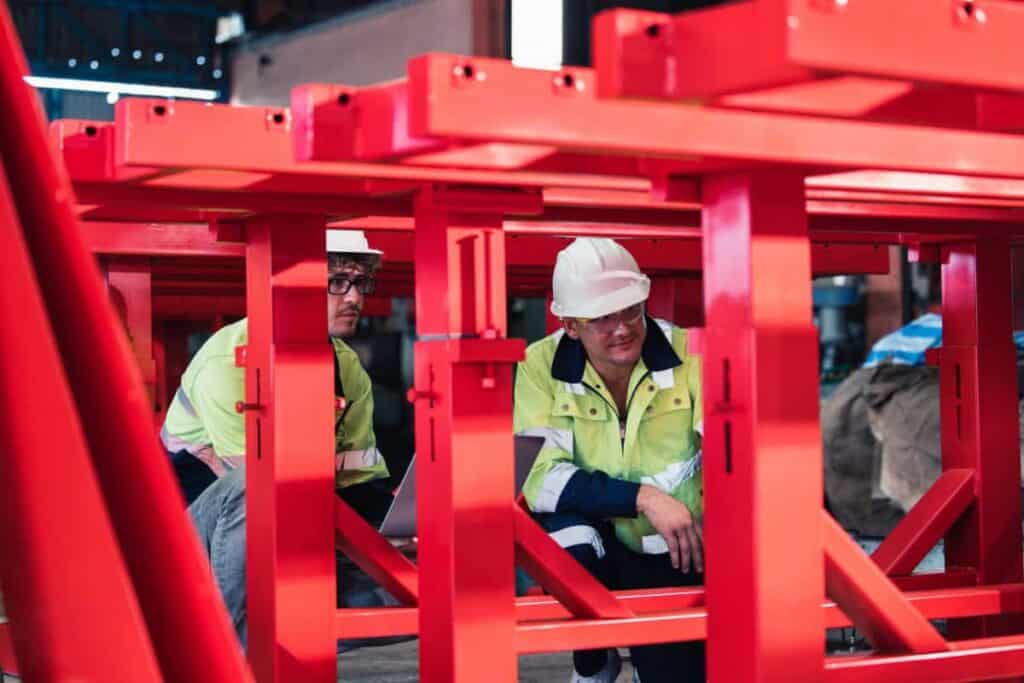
{"type": "Point", "coordinates": [571, 327]}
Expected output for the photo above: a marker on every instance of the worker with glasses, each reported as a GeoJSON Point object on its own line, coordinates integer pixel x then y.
{"type": "Point", "coordinates": [204, 435]}
{"type": "Point", "coordinates": [617, 397]}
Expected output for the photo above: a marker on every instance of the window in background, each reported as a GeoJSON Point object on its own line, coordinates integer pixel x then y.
{"type": "Point", "coordinates": [537, 34]}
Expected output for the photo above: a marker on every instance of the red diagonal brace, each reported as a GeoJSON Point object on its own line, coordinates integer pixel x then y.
{"type": "Point", "coordinates": [561, 575]}
{"type": "Point", "coordinates": [926, 523]}
{"type": "Point", "coordinates": [875, 606]}
{"type": "Point", "coordinates": [367, 548]}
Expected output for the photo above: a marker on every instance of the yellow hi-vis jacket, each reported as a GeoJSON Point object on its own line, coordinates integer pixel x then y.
{"type": "Point", "coordinates": [203, 421]}
{"type": "Point", "coordinates": [593, 460]}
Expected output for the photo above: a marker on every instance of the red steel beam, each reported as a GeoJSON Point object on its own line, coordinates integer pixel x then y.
{"type": "Point", "coordinates": [156, 239]}
{"type": "Point", "coordinates": [52, 515]}
{"type": "Point", "coordinates": [657, 55]}
{"type": "Point", "coordinates": [978, 403]}
{"type": "Point", "coordinates": [760, 429]}
{"type": "Point", "coordinates": [969, 660]}
{"type": "Point", "coordinates": [170, 576]}
{"type": "Point", "coordinates": [673, 607]}
{"type": "Point", "coordinates": [561, 575]}
{"type": "Point", "coordinates": [627, 200]}
{"type": "Point", "coordinates": [290, 500]}
{"type": "Point", "coordinates": [364, 545]}
{"type": "Point", "coordinates": [443, 106]}
{"type": "Point", "coordinates": [873, 603]}
{"type": "Point", "coordinates": [926, 523]}
{"type": "Point", "coordinates": [463, 396]}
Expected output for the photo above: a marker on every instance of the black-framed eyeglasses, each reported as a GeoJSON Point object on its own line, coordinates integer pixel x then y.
{"type": "Point", "coordinates": [341, 284]}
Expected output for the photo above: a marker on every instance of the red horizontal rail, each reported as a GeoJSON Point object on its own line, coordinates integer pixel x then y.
{"type": "Point", "coordinates": [542, 618]}
{"type": "Point", "coordinates": [969, 660]}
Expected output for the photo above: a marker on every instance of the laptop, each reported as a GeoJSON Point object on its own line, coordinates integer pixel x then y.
{"type": "Point", "coordinates": [400, 521]}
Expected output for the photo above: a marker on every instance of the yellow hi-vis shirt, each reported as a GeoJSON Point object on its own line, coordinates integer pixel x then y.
{"type": "Point", "coordinates": [593, 460]}
{"type": "Point", "coordinates": [202, 414]}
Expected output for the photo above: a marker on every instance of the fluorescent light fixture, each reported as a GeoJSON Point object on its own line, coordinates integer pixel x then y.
{"type": "Point", "coordinates": [121, 88]}
{"type": "Point", "coordinates": [537, 34]}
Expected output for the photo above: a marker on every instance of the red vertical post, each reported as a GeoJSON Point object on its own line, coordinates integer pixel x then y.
{"type": "Point", "coordinates": [762, 445]}
{"type": "Point", "coordinates": [689, 310]}
{"type": "Point", "coordinates": [677, 299]}
{"type": "Point", "coordinates": [168, 571]}
{"type": "Point", "coordinates": [463, 389]}
{"type": "Point", "coordinates": [133, 280]}
{"type": "Point", "coordinates": [662, 301]}
{"type": "Point", "coordinates": [289, 453]}
{"type": "Point", "coordinates": [60, 562]}
{"type": "Point", "coordinates": [978, 385]}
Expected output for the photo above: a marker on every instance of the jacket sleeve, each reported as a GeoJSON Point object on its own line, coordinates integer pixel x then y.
{"type": "Point", "coordinates": [356, 458]}
{"type": "Point", "coordinates": [555, 483]}
{"type": "Point", "coordinates": [217, 387]}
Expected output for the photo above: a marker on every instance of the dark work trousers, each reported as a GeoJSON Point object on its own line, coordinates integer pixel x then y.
{"type": "Point", "coordinates": [594, 545]}
{"type": "Point", "coordinates": [193, 474]}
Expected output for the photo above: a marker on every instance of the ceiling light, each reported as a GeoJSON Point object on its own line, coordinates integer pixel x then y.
{"type": "Point", "coordinates": [121, 88]}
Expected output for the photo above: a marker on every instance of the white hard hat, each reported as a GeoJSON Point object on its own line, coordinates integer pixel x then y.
{"type": "Point", "coordinates": [595, 276]}
{"type": "Point", "coordinates": [349, 242]}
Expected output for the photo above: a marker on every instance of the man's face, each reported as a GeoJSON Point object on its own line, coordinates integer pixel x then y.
{"type": "Point", "coordinates": [614, 339]}
{"type": "Point", "coordinates": [343, 309]}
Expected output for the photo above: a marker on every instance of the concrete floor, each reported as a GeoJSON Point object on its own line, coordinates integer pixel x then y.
{"type": "Point", "coordinates": [399, 664]}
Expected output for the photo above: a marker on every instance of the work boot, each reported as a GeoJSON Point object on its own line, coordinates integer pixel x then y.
{"type": "Point", "coordinates": [607, 674]}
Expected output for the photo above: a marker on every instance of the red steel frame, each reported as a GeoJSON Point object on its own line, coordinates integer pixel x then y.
{"type": "Point", "coordinates": [476, 175]}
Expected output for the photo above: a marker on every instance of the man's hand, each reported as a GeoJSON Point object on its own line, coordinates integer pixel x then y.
{"type": "Point", "coordinates": [675, 523]}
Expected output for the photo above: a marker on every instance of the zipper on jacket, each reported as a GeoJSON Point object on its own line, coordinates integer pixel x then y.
{"type": "Point", "coordinates": [621, 418]}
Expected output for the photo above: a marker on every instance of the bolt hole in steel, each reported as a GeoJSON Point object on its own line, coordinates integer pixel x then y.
{"type": "Point", "coordinates": [467, 70]}
{"type": "Point", "coordinates": [567, 80]}
{"type": "Point", "coordinates": [968, 10]}
{"type": "Point", "coordinates": [653, 31]}
{"type": "Point", "coordinates": [278, 117]}
{"type": "Point", "coordinates": [160, 110]}
{"type": "Point", "coordinates": [91, 131]}
{"type": "Point", "coordinates": [344, 98]}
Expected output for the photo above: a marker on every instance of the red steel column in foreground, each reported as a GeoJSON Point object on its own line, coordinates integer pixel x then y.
{"type": "Point", "coordinates": [762, 445]}
{"type": "Point", "coordinates": [464, 461]}
{"type": "Point", "coordinates": [60, 563]}
{"type": "Point", "coordinates": [171, 578]}
{"type": "Point", "coordinates": [978, 382]}
{"type": "Point", "coordinates": [289, 453]}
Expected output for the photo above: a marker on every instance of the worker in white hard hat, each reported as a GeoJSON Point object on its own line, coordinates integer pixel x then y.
{"type": "Point", "coordinates": [204, 435]}
{"type": "Point", "coordinates": [617, 398]}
